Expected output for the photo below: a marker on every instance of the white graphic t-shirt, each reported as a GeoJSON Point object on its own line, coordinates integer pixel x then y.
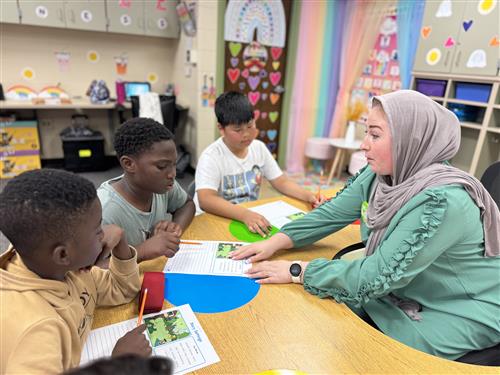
{"type": "Point", "coordinates": [236, 180]}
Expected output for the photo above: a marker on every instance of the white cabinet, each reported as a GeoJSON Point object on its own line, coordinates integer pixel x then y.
{"type": "Point", "coordinates": [42, 13]}
{"type": "Point", "coordinates": [459, 37]}
{"type": "Point", "coordinates": [161, 19]}
{"type": "Point", "coordinates": [85, 15]}
{"type": "Point", "coordinates": [9, 12]}
{"type": "Point", "coordinates": [126, 17]}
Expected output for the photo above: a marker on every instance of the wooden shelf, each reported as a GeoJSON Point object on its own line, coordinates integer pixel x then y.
{"type": "Point", "coordinates": [467, 102]}
{"type": "Point", "coordinates": [479, 140]}
{"type": "Point", "coordinates": [471, 125]}
{"type": "Point", "coordinates": [75, 104]}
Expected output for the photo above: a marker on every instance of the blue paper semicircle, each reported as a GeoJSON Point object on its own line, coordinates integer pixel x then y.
{"type": "Point", "coordinates": [209, 294]}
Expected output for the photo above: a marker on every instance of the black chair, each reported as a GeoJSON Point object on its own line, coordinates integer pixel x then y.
{"type": "Point", "coordinates": [348, 249]}
{"type": "Point", "coordinates": [169, 110]}
{"type": "Point", "coordinates": [491, 181]}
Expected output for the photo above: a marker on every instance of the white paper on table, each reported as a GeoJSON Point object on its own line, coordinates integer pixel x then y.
{"type": "Point", "coordinates": [173, 333]}
{"type": "Point", "coordinates": [208, 258]}
{"type": "Point", "coordinates": [278, 213]}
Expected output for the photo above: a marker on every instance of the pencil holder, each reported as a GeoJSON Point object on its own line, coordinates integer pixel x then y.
{"type": "Point", "coordinates": [154, 282]}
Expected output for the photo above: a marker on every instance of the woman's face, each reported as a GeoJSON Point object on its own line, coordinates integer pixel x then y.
{"type": "Point", "coordinates": [378, 142]}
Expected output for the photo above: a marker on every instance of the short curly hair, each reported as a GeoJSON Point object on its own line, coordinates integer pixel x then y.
{"type": "Point", "coordinates": [138, 135]}
{"type": "Point", "coordinates": [43, 204]}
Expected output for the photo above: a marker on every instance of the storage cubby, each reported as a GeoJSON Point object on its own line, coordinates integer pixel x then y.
{"type": "Point", "coordinates": [476, 102]}
{"type": "Point", "coordinates": [463, 158]}
{"type": "Point", "coordinates": [490, 152]}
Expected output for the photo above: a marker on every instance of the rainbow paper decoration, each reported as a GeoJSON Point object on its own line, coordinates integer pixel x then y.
{"type": "Point", "coordinates": [266, 16]}
{"type": "Point", "coordinates": [20, 92]}
{"type": "Point", "coordinates": [53, 92]}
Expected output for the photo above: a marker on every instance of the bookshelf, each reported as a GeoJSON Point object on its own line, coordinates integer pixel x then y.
{"type": "Point", "coordinates": [480, 122]}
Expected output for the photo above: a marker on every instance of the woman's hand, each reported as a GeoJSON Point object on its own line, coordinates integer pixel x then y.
{"type": "Point", "coordinates": [254, 252]}
{"type": "Point", "coordinates": [271, 272]}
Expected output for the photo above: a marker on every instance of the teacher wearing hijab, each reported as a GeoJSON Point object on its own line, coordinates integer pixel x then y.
{"type": "Point", "coordinates": [430, 274]}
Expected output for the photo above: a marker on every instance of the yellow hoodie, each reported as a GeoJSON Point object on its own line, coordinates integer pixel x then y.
{"type": "Point", "coordinates": [44, 323]}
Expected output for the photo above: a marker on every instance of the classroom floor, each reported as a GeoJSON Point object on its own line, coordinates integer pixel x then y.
{"type": "Point", "coordinates": [309, 180]}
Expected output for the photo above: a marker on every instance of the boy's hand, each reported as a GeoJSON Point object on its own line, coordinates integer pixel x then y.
{"type": "Point", "coordinates": [161, 244]}
{"type": "Point", "coordinates": [316, 200]}
{"type": "Point", "coordinates": [114, 240]}
{"type": "Point", "coordinates": [133, 342]}
{"type": "Point", "coordinates": [256, 223]}
{"type": "Point", "coordinates": [168, 226]}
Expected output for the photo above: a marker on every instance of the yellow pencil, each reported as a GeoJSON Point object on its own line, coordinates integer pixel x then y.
{"type": "Point", "coordinates": [141, 311]}
{"type": "Point", "coordinates": [318, 194]}
{"type": "Point", "coordinates": [190, 242]}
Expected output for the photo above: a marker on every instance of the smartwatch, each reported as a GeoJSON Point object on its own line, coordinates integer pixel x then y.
{"type": "Point", "coordinates": [296, 271]}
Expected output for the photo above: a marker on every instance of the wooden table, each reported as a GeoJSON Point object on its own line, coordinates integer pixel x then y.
{"type": "Point", "coordinates": [284, 327]}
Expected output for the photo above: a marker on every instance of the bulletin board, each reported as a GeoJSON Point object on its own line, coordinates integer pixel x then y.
{"type": "Point", "coordinates": [255, 34]}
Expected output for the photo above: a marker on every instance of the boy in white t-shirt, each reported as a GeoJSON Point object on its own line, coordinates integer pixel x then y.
{"type": "Point", "coordinates": [231, 169]}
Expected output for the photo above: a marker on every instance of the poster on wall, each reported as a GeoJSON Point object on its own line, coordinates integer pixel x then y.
{"type": "Point", "coordinates": [381, 72]}
{"type": "Point", "coordinates": [255, 60]}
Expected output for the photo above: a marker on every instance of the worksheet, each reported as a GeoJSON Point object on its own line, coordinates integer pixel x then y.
{"type": "Point", "coordinates": [173, 333]}
{"type": "Point", "coordinates": [278, 213]}
{"type": "Point", "coordinates": [207, 258]}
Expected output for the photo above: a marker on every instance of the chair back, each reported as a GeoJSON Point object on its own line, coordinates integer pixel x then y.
{"type": "Point", "coordinates": [491, 181]}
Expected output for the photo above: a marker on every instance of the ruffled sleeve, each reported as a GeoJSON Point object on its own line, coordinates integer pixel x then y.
{"type": "Point", "coordinates": [334, 215]}
{"type": "Point", "coordinates": [421, 235]}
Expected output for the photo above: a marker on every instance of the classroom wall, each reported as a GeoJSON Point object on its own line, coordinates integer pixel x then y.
{"type": "Point", "coordinates": [31, 46]}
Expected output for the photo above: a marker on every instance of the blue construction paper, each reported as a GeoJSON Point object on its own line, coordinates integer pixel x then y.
{"type": "Point", "coordinates": [209, 294]}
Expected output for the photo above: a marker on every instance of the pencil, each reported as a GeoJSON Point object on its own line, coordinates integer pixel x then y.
{"type": "Point", "coordinates": [190, 242]}
{"type": "Point", "coordinates": [318, 194]}
{"type": "Point", "coordinates": [141, 311]}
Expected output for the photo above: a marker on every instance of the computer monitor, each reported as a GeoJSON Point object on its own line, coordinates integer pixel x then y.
{"type": "Point", "coordinates": [136, 88]}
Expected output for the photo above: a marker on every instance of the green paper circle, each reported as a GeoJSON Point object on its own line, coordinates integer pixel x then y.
{"type": "Point", "coordinates": [242, 233]}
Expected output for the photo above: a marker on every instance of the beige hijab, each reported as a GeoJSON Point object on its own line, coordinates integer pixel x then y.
{"type": "Point", "coordinates": [424, 135]}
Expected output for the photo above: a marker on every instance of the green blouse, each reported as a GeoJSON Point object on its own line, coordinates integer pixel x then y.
{"type": "Point", "coordinates": [432, 253]}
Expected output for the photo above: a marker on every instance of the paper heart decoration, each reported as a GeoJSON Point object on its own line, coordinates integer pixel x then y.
{"type": "Point", "coordinates": [450, 42]}
{"type": "Point", "coordinates": [262, 134]}
{"type": "Point", "coordinates": [242, 85]}
{"type": "Point", "coordinates": [426, 30]}
{"type": "Point", "coordinates": [256, 114]}
{"type": "Point", "coordinates": [494, 42]}
{"type": "Point", "coordinates": [271, 134]}
{"type": "Point", "coordinates": [263, 74]}
{"type": "Point", "coordinates": [234, 61]}
{"type": "Point", "coordinates": [273, 116]}
{"type": "Point", "coordinates": [276, 65]}
{"type": "Point", "coordinates": [264, 96]}
{"type": "Point", "coordinates": [265, 84]}
{"type": "Point", "coordinates": [275, 78]}
{"type": "Point", "coordinates": [245, 73]}
{"type": "Point", "coordinates": [274, 98]}
{"type": "Point", "coordinates": [467, 24]}
{"type": "Point", "coordinates": [276, 52]}
{"type": "Point", "coordinates": [254, 97]}
{"type": "Point", "coordinates": [234, 48]}
{"type": "Point", "coordinates": [271, 146]}
{"type": "Point", "coordinates": [253, 82]}
{"type": "Point", "coordinates": [264, 115]}
{"type": "Point", "coordinates": [233, 74]}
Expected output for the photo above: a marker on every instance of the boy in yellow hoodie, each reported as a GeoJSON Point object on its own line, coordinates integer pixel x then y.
{"type": "Point", "coordinates": [48, 285]}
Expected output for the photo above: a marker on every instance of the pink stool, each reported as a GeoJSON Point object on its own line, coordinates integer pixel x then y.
{"type": "Point", "coordinates": [319, 148]}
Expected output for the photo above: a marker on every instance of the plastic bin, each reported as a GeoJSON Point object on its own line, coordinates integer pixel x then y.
{"type": "Point", "coordinates": [465, 113]}
{"type": "Point", "coordinates": [83, 154]}
{"type": "Point", "coordinates": [431, 87]}
{"type": "Point", "coordinates": [476, 92]}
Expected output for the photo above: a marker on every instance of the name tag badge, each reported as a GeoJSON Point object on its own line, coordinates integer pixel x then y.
{"type": "Point", "coordinates": [364, 209]}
